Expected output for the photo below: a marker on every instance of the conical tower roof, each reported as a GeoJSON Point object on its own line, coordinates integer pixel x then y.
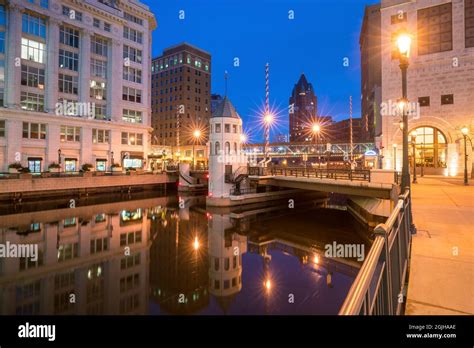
{"type": "Point", "coordinates": [225, 109]}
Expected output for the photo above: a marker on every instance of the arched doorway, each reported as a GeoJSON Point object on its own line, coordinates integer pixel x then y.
{"type": "Point", "coordinates": [431, 148]}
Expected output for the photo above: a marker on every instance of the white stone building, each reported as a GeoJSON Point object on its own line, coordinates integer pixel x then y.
{"type": "Point", "coordinates": [74, 79]}
{"type": "Point", "coordinates": [227, 162]}
{"type": "Point", "coordinates": [440, 82]}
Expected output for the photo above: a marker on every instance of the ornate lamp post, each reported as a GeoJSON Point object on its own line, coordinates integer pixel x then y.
{"type": "Point", "coordinates": [465, 132]}
{"type": "Point", "coordinates": [59, 159]}
{"type": "Point", "coordinates": [404, 43]}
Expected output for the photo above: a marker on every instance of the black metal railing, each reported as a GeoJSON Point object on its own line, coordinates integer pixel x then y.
{"type": "Point", "coordinates": [239, 192]}
{"type": "Point", "coordinates": [380, 286]}
{"type": "Point", "coordinates": [321, 173]}
{"type": "Point", "coordinates": [72, 174]}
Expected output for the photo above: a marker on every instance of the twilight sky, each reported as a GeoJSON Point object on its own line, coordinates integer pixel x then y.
{"type": "Point", "coordinates": [319, 38]}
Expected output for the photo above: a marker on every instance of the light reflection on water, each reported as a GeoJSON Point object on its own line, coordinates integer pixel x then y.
{"type": "Point", "coordinates": [149, 256]}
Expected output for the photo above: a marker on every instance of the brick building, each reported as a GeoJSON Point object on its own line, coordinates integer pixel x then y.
{"type": "Point", "coordinates": [181, 95]}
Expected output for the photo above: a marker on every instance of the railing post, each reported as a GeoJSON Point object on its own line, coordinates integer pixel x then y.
{"type": "Point", "coordinates": [381, 230]}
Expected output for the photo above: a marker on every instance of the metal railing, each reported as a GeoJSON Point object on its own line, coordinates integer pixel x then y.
{"type": "Point", "coordinates": [321, 173]}
{"type": "Point", "coordinates": [239, 192]}
{"type": "Point", "coordinates": [71, 174]}
{"type": "Point", "coordinates": [379, 288]}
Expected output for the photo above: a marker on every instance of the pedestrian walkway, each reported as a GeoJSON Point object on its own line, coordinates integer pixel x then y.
{"type": "Point", "coordinates": [442, 257]}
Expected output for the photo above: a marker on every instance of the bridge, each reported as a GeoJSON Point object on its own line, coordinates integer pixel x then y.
{"type": "Point", "coordinates": [373, 183]}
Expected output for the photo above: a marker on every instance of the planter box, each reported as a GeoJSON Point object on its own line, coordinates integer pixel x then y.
{"type": "Point", "coordinates": [117, 169]}
{"type": "Point", "coordinates": [13, 170]}
{"type": "Point", "coordinates": [54, 170]}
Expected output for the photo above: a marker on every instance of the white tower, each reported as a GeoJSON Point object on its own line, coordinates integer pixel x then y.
{"type": "Point", "coordinates": [225, 260]}
{"type": "Point", "coordinates": [227, 162]}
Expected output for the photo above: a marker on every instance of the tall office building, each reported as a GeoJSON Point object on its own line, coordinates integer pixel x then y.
{"type": "Point", "coordinates": [371, 72]}
{"type": "Point", "coordinates": [181, 95]}
{"type": "Point", "coordinates": [73, 83]}
{"type": "Point", "coordinates": [303, 108]}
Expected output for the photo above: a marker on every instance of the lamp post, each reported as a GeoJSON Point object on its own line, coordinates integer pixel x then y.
{"type": "Point", "coordinates": [267, 121]}
{"type": "Point", "coordinates": [59, 159]}
{"type": "Point", "coordinates": [413, 142]}
{"type": "Point", "coordinates": [394, 157]}
{"type": "Point", "coordinates": [465, 132]}
{"type": "Point", "coordinates": [404, 43]}
{"type": "Point", "coordinates": [111, 158]}
{"type": "Point", "coordinates": [197, 136]}
{"type": "Point", "coordinates": [316, 129]}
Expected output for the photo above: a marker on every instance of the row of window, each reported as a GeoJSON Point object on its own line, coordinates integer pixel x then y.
{"type": "Point", "coordinates": [73, 134]}
{"type": "Point", "coordinates": [131, 94]}
{"type": "Point", "coordinates": [167, 62]}
{"type": "Point", "coordinates": [218, 128]}
{"type": "Point", "coordinates": [217, 148]}
{"type": "Point", "coordinates": [133, 35]}
{"type": "Point", "coordinates": [446, 99]}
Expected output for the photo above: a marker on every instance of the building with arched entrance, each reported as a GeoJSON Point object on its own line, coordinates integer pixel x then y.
{"type": "Point", "coordinates": [440, 84]}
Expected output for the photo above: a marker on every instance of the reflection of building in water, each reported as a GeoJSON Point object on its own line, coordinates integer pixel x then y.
{"type": "Point", "coordinates": [178, 261]}
{"type": "Point", "coordinates": [81, 255]}
{"type": "Point", "coordinates": [225, 255]}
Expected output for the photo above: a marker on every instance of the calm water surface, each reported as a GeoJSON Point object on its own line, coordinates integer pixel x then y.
{"type": "Point", "coordinates": [169, 255]}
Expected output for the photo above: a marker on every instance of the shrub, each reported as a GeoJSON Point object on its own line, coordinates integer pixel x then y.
{"type": "Point", "coordinates": [16, 165]}
{"type": "Point", "coordinates": [87, 167]}
{"type": "Point", "coordinates": [116, 165]}
{"type": "Point", "coordinates": [54, 165]}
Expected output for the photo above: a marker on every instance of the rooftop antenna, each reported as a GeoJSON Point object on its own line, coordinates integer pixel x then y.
{"type": "Point", "coordinates": [225, 78]}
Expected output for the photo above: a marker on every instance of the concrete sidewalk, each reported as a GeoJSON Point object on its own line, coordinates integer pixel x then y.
{"type": "Point", "coordinates": [442, 257]}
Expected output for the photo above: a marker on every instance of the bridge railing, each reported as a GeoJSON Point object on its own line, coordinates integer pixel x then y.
{"type": "Point", "coordinates": [379, 288]}
{"type": "Point", "coordinates": [321, 173]}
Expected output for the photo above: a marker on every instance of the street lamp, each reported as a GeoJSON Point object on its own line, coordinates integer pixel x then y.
{"type": "Point", "coordinates": [404, 43]}
{"type": "Point", "coordinates": [316, 129]}
{"type": "Point", "coordinates": [111, 158]}
{"type": "Point", "coordinates": [413, 142]}
{"type": "Point", "coordinates": [197, 136]}
{"type": "Point", "coordinates": [465, 132]}
{"type": "Point", "coordinates": [59, 159]}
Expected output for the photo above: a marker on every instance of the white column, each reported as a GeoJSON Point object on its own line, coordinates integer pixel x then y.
{"type": "Point", "coordinates": [85, 66]}
{"type": "Point", "coordinates": [52, 65]}
{"type": "Point", "coordinates": [115, 74]}
{"type": "Point", "coordinates": [13, 64]}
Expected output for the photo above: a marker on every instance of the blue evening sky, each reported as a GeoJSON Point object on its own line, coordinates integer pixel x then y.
{"type": "Point", "coordinates": [322, 34]}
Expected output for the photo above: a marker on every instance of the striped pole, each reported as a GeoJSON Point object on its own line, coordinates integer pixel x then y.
{"type": "Point", "coordinates": [267, 111]}
{"type": "Point", "coordinates": [350, 128]}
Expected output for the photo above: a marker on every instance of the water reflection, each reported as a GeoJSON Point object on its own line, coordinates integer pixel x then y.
{"type": "Point", "coordinates": [170, 255]}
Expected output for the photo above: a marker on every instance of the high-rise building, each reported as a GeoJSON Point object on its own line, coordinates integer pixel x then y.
{"type": "Point", "coordinates": [371, 72]}
{"type": "Point", "coordinates": [339, 132]}
{"type": "Point", "coordinates": [440, 83]}
{"type": "Point", "coordinates": [73, 83]}
{"type": "Point", "coordinates": [181, 95]}
{"type": "Point", "coordinates": [303, 108]}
